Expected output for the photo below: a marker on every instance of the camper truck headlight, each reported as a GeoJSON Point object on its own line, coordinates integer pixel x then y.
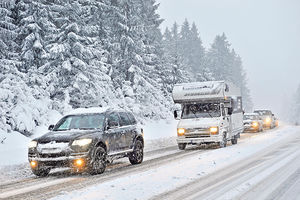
{"type": "Point", "coordinates": [32, 144]}
{"type": "Point", "coordinates": [214, 130]}
{"type": "Point", "coordinates": [180, 131]}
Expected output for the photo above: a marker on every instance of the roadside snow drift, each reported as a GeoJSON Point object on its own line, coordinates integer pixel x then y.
{"type": "Point", "coordinates": [13, 148]}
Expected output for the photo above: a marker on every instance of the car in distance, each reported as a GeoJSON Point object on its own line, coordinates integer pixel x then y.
{"type": "Point", "coordinates": [268, 118]}
{"type": "Point", "coordinates": [253, 123]}
{"type": "Point", "coordinates": [86, 140]}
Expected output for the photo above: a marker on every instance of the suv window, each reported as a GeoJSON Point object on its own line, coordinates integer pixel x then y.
{"type": "Point", "coordinates": [124, 119]}
{"type": "Point", "coordinates": [113, 119]}
{"type": "Point", "coordinates": [131, 118]}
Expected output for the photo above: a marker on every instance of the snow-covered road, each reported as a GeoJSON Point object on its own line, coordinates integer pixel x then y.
{"type": "Point", "coordinates": [262, 165]}
{"type": "Point", "coordinates": [272, 173]}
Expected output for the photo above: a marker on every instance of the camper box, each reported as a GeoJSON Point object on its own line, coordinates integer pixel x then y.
{"type": "Point", "coordinates": [204, 91]}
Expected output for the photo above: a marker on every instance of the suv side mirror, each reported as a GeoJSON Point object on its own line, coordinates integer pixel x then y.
{"type": "Point", "coordinates": [112, 125]}
{"type": "Point", "coordinates": [51, 127]}
{"type": "Point", "coordinates": [175, 114]}
{"type": "Point", "coordinates": [230, 110]}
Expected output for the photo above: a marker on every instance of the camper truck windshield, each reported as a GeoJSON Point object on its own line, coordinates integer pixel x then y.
{"type": "Point", "coordinates": [203, 110]}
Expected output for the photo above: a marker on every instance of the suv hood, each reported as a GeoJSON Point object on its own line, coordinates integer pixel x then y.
{"type": "Point", "coordinates": [198, 123]}
{"type": "Point", "coordinates": [65, 136]}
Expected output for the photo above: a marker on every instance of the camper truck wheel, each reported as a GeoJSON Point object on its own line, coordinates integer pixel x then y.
{"type": "Point", "coordinates": [182, 146]}
{"type": "Point", "coordinates": [223, 143]}
{"type": "Point", "coordinates": [234, 141]}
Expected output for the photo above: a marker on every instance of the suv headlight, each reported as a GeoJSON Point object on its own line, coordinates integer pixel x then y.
{"type": "Point", "coordinates": [81, 142]}
{"type": "Point", "coordinates": [254, 124]}
{"type": "Point", "coordinates": [268, 120]}
{"type": "Point", "coordinates": [32, 144]}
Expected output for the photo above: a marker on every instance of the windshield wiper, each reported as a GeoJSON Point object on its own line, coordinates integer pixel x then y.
{"type": "Point", "coordinates": [195, 114]}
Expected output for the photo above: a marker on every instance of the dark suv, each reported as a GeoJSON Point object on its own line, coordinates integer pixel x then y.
{"type": "Point", "coordinates": [87, 140]}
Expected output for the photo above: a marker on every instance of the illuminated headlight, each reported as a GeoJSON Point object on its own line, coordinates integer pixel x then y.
{"type": "Point", "coordinates": [81, 142]}
{"type": "Point", "coordinates": [180, 131]}
{"type": "Point", "coordinates": [255, 124]}
{"type": "Point", "coordinates": [213, 130]}
{"type": "Point", "coordinates": [268, 120]}
{"type": "Point", "coordinates": [32, 144]}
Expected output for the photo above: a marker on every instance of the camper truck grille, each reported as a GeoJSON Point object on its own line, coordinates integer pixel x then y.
{"type": "Point", "coordinates": [197, 132]}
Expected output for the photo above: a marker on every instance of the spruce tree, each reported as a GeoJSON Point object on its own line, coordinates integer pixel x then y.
{"type": "Point", "coordinates": [219, 59]}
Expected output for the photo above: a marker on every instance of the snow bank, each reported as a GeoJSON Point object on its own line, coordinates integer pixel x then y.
{"type": "Point", "coordinates": [13, 148]}
{"type": "Point", "coordinates": [160, 129]}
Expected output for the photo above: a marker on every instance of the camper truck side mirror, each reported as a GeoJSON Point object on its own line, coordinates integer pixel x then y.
{"type": "Point", "coordinates": [176, 115]}
{"type": "Point", "coordinates": [230, 110]}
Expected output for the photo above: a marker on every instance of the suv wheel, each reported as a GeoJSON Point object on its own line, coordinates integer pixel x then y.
{"type": "Point", "coordinates": [98, 161]}
{"type": "Point", "coordinates": [136, 157]}
{"type": "Point", "coordinates": [42, 172]}
{"type": "Point", "coordinates": [182, 146]}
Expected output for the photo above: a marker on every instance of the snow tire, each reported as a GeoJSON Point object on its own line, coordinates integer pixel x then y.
{"type": "Point", "coordinates": [98, 161]}
{"type": "Point", "coordinates": [181, 146]}
{"type": "Point", "coordinates": [137, 156]}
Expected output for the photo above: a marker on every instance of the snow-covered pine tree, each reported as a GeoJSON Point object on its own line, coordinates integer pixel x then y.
{"type": "Point", "coordinates": [76, 71]}
{"type": "Point", "coordinates": [197, 55]}
{"type": "Point", "coordinates": [184, 46]}
{"type": "Point", "coordinates": [147, 85]}
{"type": "Point", "coordinates": [136, 56]}
{"type": "Point", "coordinates": [175, 69]}
{"type": "Point", "coordinates": [32, 23]}
{"type": "Point", "coordinates": [219, 59]}
{"type": "Point", "coordinates": [239, 78]}
{"type": "Point", "coordinates": [8, 56]}
{"type": "Point", "coordinates": [20, 110]}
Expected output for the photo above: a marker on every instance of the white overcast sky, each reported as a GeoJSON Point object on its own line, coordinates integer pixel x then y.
{"type": "Point", "coordinates": [265, 33]}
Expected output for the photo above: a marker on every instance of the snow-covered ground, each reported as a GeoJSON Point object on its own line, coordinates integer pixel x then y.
{"type": "Point", "coordinates": [13, 149]}
{"type": "Point", "coordinates": [177, 173]}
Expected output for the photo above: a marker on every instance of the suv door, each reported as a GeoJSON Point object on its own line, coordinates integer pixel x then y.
{"type": "Point", "coordinates": [127, 130]}
{"type": "Point", "coordinates": [113, 132]}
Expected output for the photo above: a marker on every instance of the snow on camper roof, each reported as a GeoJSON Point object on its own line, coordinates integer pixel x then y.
{"type": "Point", "coordinates": [199, 91]}
{"type": "Point", "coordinates": [252, 114]}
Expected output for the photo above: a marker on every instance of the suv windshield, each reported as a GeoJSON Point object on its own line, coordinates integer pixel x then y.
{"type": "Point", "coordinates": [263, 112]}
{"type": "Point", "coordinates": [203, 110]}
{"type": "Point", "coordinates": [82, 122]}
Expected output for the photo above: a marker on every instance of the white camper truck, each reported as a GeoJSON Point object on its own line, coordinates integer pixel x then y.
{"type": "Point", "coordinates": [211, 112]}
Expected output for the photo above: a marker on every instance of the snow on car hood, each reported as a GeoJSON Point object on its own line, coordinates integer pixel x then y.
{"type": "Point", "coordinates": [198, 123]}
{"type": "Point", "coordinates": [53, 147]}
{"type": "Point", "coordinates": [65, 136]}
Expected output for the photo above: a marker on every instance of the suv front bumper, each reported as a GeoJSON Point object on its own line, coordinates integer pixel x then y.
{"type": "Point", "coordinates": [58, 160]}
